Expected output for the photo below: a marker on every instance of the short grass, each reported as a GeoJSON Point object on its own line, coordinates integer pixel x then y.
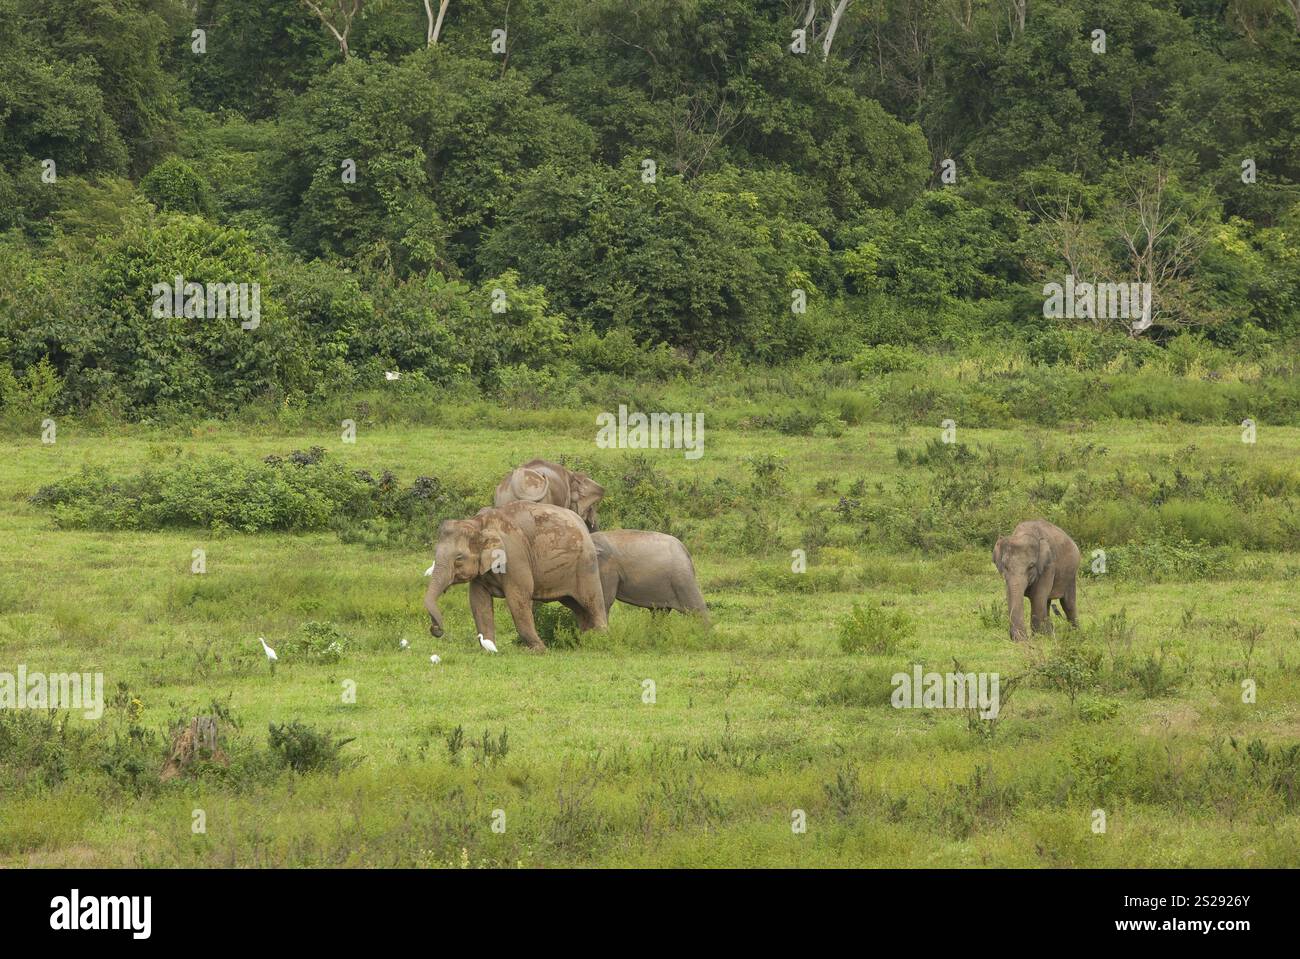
{"type": "Point", "coordinates": [755, 724]}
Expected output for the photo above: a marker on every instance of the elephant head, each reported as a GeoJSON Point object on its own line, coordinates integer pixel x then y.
{"type": "Point", "coordinates": [466, 549]}
{"type": "Point", "coordinates": [1020, 558]}
{"type": "Point", "coordinates": [585, 495]}
{"type": "Point", "coordinates": [540, 481]}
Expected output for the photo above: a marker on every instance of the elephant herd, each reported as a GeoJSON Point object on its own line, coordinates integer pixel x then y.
{"type": "Point", "coordinates": [540, 542]}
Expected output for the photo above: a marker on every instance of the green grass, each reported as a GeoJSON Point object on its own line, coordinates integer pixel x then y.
{"type": "Point", "coordinates": [758, 716]}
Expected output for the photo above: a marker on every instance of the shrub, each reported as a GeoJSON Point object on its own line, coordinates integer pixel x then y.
{"type": "Point", "coordinates": [317, 642]}
{"type": "Point", "coordinates": [174, 186]}
{"type": "Point", "coordinates": [299, 492]}
{"type": "Point", "coordinates": [304, 748]}
{"type": "Point", "coordinates": [874, 629]}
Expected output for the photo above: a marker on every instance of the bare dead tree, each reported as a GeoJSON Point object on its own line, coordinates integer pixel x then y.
{"type": "Point", "coordinates": [826, 31]}
{"type": "Point", "coordinates": [699, 126]}
{"type": "Point", "coordinates": [435, 24]}
{"type": "Point", "coordinates": [1163, 241]}
{"type": "Point", "coordinates": [337, 16]}
{"type": "Point", "coordinates": [962, 13]}
{"type": "Point", "coordinates": [834, 25]}
{"type": "Point", "coordinates": [1016, 16]}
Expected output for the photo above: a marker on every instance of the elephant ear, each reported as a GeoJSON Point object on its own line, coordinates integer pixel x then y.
{"type": "Point", "coordinates": [492, 552]}
{"type": "Point", "coordinates": [528, 485]}
{"type": "Point", "coordinates": [1044, 555]}
{"type": "Point", "coordinates": [997, 553]}
{"type": "Point", "coordinates": [584, 493]}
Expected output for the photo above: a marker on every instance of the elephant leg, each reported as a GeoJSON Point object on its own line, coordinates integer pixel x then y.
{"type": "Point", "coordinates": [592, 598]}
{"type": "Point", "coordinates": [608, 585]}
{"type": "Point", "coordinates": [576, 608]}
{"type": "Point", "coordinates": [480, 605]}
{"type": "Point", "coordinates": [521, 610]}
{"type": "Point", "coordinates": [1040, 620]}
{"type": "Point", "coordinates": [688, 598]}
{"type": "Point", "coordinates": [1069, 603]}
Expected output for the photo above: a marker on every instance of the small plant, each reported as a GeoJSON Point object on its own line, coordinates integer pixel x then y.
{"type": "Point", "coordinates": [844, 793]}
{"type": "Point", "coordinates": [488, 751]}
{"type": "Point", "coordinates": [992, 615]}
{"type": "Point", "coordinates": [557, 626]}
{"type": "Point", "coordinates": [1096, 710]}
{"type": "Point", "coordinates": [304, 748]}
{"type": "Point", "coordinates": [1154, 675]}
{"type": "Point", "coordinates": [874, 629]}
{"type": "Point", "coordinates": [455, 744]}
{"type": "Point", "coordinates": [1072, 669]}
{"type": "Point", "coordinates": [318, 643]}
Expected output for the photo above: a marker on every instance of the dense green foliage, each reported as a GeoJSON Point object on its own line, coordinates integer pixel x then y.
{"type": "Point", "coordinates": [132, 152]}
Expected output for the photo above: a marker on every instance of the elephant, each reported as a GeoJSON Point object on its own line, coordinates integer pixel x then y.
{"type": "Point", "coordinates": [652, 570]}
{"type": "Point", "coordinates": [540, 481]}
{"type": "Point", "coordinates": [524, 552]}
{"type": "Point", "coordinates": [1040, 561]}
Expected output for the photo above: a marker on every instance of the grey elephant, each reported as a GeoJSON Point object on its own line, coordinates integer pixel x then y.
{"type": "Point", "coordinates": [523, 552]}
{"type": "Point", "coordinates": [541, 481]}
{"type": "Point", "coordinates": [647, 569]}
{"type": "Point", "coordinates": [1040, 561]}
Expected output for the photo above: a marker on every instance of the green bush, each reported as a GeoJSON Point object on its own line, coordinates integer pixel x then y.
{"type": "Point", "coordinates": [874, 629]}
{"type": "Point", "coordinates": [316, 643]}
{"type": "Point", "coordinates": [304, 748]}
{"type": "Point", "coordinates": [298, 492]}
{"type": "Point", "coordinates": [174, 186]}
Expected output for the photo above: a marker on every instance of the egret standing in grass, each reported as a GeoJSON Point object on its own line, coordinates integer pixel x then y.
{"type": "Point", "coordinates": [270, 653]}
{"type": "Point", "coordinates": [487, 644]}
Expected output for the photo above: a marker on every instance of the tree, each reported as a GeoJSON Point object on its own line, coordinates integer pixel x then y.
{"type": "Point", "coordinates": [435, 24]}
{"type": "Point", "coordinates": [1163, 232]}
{"type": "Point", "coordinates": [337, 16]}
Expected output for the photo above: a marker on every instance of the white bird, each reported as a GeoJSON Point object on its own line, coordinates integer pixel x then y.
{"type": "Point", "coordinates": [393, 375]}
{"type": "Point", "coordinates": [429, 571]}
{"type": "Point", "coordinates": [487, 644]}
{"type": "Point", "coordinates": [405, 644]}
{"type": "Point", "coordinates": [435, 659]}
{"type": "Point", "coordinates": [270, 653]}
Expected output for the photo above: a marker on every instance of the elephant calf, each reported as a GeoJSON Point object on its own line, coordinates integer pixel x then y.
{"type": "Point", "coordinates": [652, 570]}
{"type": "Point", "coordinates": [1040, 561]}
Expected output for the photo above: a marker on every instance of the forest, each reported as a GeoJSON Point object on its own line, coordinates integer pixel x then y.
{"type": "Point", "coordinates": [655, 189]}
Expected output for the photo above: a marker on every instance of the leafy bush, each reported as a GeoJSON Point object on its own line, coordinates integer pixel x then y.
{"type": "Point", "coordinates": [317, 643]}
{"type": "Point", "coordinates": [304, 748]}
{"type": "Point", "coordinates": [299, 492]}
{"type": "Point", "coordinates": [173, 185]}
{"type": "Point", "coordinates": [874, 629]}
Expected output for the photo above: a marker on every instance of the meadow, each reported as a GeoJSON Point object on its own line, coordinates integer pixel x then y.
{"type": "Point", "coordinates": [662, 742]}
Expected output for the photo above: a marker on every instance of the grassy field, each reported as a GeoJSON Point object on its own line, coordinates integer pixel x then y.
{"type": "Point", "coordinates": [1139, 714]}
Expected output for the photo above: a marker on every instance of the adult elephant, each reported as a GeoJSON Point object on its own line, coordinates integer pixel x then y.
{"type": "Point", "coordinates": [522, 552]}
{"type": "Point", "coordinates": [1040, 561]}
{"type": "Point", "coordinates": [652, 570]}
{"type": "Point", "coordinates": [541, 481]}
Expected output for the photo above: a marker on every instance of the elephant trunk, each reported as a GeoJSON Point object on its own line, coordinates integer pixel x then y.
{"type": "Point", "coordinates": [1016, 604]}
{"type": "Point", "coordinates": [437, 586]}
